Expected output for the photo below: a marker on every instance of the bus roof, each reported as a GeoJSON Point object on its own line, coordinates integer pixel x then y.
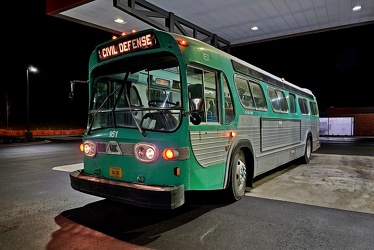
{"type": "Point", "coordinates": [233, 58]}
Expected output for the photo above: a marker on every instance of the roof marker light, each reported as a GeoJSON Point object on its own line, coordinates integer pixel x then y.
{"type": "Point", "coordinates": [133, 31]}
{"type": "Point", "coordinates": [183, 43]}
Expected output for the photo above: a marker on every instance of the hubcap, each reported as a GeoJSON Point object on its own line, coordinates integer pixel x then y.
{"type": "Point", "coordinates": [241, 175]}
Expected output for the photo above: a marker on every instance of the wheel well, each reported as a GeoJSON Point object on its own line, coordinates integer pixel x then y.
{"type": "Point", "coordinates": [246, 147]}
{"type": "Point", "coordinates": [309, 136]}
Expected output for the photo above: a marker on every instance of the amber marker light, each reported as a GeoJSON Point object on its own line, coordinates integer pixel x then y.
{"type": "Point", "coordinates": [170, 154]}
{"type": "Point", "coordinates": [114, 37]}
{"type": "Point", "coordinates": [177, 171]}
{"type": "Point", "coordinates": [81, 147]}
{"type": "Point", "coordinates": [124, 34]}
{"type": "Point", "coordinates": [133, 31]}
{"type": "Point", "coordinates": [233, 134]}
{"type": "Point", "coordinates": [183, 43]}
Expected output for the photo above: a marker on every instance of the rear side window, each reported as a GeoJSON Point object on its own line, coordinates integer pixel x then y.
{"type": "Point", "coordinates": [303, 105]}
{"type": "Point", "coordinates": [313, 108]}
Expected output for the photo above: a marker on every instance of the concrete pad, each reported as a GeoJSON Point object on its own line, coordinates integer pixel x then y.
{"type": "Point", "coordinates": [334, 181]}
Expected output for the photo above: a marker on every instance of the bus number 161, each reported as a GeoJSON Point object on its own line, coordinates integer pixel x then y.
{"type": "Point", "coordinates": [113, 134]}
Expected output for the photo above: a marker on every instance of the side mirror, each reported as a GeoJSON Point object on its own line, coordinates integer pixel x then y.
{"type": "Point", "coordinates": [72, 86]}
{"type": "Point", "coordinates": [196, 105]}
{"type": "Point", "coordinates": [195, 118]}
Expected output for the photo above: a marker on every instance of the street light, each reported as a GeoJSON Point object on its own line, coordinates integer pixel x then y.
{"type": "Point", "coordinates": [28, 133]}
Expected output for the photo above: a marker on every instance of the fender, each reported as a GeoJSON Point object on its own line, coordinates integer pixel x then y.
{"type": "Point", "coordinates": [240, 143]}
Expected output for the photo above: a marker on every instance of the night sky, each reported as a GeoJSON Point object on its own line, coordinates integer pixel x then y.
{"type": "Point", "coordinates": [335, 65]}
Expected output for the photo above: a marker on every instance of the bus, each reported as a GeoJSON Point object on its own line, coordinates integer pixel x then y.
{"type": "Point", "coordinates": [169, 114]}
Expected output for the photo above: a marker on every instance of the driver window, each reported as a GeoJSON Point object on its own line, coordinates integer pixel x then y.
{"type": "Point", "coordinates": [203, 84]}
{"type": "Point", "coordinates": [210, 83]}
{"type": "Point", "coordinates": [161, 98]}
{"type": "Point", "coordinates": [100, 93]}
{"type": "Point", "coordinates": [228, 102]}
{"type": "Point", "coordinates": [133, 97]}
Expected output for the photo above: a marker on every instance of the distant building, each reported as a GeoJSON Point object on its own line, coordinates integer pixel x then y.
{"type": "Point", "coordinates": [356, 121]}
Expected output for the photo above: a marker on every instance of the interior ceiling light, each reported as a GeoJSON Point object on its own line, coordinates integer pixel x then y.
{"type": "Point", "coordinates": [356, 8]}
{"type": "Point", "coordinates": [254, 28]}
{"type": "Point", "coordinates": [119, 20]}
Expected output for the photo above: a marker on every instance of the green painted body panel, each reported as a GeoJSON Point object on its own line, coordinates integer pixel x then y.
{"type": "Point", "coordinates": [159, 173]}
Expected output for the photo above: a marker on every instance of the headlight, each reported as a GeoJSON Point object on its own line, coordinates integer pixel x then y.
{"type": "Point", "coordinates": [89, 148]}
{"type": "Point", "coordinates": [146, 152]}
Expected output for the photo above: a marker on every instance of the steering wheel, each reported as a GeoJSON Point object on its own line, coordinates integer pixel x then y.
{"type": "Point", "coordinates": [157, 103]}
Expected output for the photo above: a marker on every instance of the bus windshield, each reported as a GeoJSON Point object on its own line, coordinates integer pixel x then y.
{"type": "Point", "coordinates": [144, 95]}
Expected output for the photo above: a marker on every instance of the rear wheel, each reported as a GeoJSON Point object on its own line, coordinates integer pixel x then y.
{"type": "Point", "coordinates": [308, 151]}
{"type": "Point", "coordinates": [238, 175]}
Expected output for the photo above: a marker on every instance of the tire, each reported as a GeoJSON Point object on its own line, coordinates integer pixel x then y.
{"type": "Point", "coordinates": [238, 176]}
{"type": "Point", "coordinates": [308, 151]}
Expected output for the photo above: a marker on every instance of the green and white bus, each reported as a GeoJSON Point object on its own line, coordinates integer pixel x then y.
{"type": "Point", "coordinates": [170, 114]}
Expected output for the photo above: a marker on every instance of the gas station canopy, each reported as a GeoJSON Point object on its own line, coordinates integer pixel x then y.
{"type": "Point", "coordinates": [219, 22]}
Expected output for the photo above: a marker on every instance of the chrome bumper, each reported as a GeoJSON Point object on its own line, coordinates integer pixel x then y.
{"type": "Point", "coordinates": [159, 197]}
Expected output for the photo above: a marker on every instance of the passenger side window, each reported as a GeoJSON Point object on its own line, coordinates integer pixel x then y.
{"type": "Point", "coordinates": [303, 106]}
{"type": "Point", "coordinates": [292, 100]}
{"type": "Point", "coordinates": [258, 96]}
{"type": "Point", "coordinates": [278, 100]}
{"type": "Point", "coordinates": [244, 93]}
{"type": "Point", "coordinates": [250, 93]}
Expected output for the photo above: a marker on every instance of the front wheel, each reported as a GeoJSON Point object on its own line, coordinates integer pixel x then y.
{"type": "Point", "coordinates": [238, 175]}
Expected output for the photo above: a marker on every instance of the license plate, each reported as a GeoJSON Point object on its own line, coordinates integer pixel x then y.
{"type": "Point", "coordinates": [115, 172]}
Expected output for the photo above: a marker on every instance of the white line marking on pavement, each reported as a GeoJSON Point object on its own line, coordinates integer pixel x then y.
{"type": "Point", "coordinates": [69, 168]}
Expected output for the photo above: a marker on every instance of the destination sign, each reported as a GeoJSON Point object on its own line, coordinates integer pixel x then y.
{"type": "Point", "coordinates": [124, 46]}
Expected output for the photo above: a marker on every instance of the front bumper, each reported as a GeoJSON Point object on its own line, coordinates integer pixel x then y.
{"type": "Point", "coordinates": [140, 195]}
